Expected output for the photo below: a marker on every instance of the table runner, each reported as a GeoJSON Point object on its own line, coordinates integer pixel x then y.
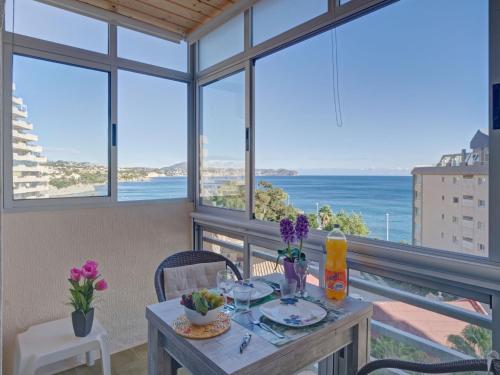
{"type": "Point", "coordinates": [290, 333]}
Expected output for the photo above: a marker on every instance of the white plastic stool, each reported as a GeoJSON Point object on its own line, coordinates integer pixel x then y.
{"type": "Point", "coordinates": [51, 342]}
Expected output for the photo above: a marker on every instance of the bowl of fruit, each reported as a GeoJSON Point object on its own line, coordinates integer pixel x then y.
{"type": "Point", "coordinates": [202, 307]}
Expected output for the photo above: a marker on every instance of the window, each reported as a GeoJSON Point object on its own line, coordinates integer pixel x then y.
{"type": "Point", "coordinates": [481, 203]}
{"type": "Point", "coordinates": [230, 247]}
{"type": "Point", "coordinates": [307, 98]}
{"type": "Point", "coordinates": [442, 197]}
{"type": "Point", "coordinates": [442, 179]}
{"type": "Point", "coordinates": [468, 239]}
{"type": "Point", "coordinates": [468, 197]}
{"type": "Point", "coordinates": [479, 225]}
{"type": "Point", "coordinates": [273, 17]}
{"type": "Point", "coordinates": [60, 124]}
{"type": "Point", "coordinates": [58, 25]}
{"type": "Point", "coordinates": [454, 238]}
{"type": "Point", "coordinates": [151, 111]}
{"type": "Point", "coordinates": [467, 218]}
{"type": "Point", "coordinates": [481, 180]}
{"type": "Point", "coordinates": [481, 247]}
{"type": "Point", "coordinates": [222, 143]}
{"type": "Point", "coordinates": [222, 43]}
{"type": "Point", "coordinates": [454, 220]}
{"type": "Point", "coordinates": [442, 234]}
{"type": "Point", "coordinates": [148, 49]}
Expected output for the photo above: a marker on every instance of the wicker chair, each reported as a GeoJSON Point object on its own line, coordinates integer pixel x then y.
{"type": "Point", "coordinates": [186, 258]}
{"type": "Point", "coordinates": [467, 365]}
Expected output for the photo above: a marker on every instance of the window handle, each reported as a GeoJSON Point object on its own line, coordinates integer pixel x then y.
{"type": "Point", "coordinates": [496, 106]}
{"type": "Point", "coordinates": [113, 135]}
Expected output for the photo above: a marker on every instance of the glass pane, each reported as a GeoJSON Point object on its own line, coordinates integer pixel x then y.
{"type": "Point", "coordinates": [152, 137]}
{"type": "Point", "coordinates": [382, 139]}
{"type": "Point", "coordinates": [233, 250]}
{"type": "Point", "coordinates": [222, 143]}
{"type": "Point", "coordinates": [148, 49]}
{"type": "Point", "coordinates": [272, 17]}
{"type": "Point", "coordinates": [263, 262]}
{"type": "Point", "coordinates": [222, 43]}
{"type": "Point", "coordinates": [403, 331]}
{"type": "Point", "coordinates": [61, 148]}
{"type": "Point", "coordinates": [59, 26]}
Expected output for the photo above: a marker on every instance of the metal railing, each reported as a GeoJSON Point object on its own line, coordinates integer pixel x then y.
{"type": "Point", "coordinates": [265, 235]}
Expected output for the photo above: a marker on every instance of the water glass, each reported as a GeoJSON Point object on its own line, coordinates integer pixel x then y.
{"type": "Point", "coordinates": [242, 296]}
{"type": "Point", "coordinates": [288, 287]}
{"type": "Point", "coordinates": [301, 267]}
{"type": "Point", "coordinates": [225, 282]}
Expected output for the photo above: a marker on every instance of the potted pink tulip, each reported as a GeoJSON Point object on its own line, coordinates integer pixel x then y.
{"type": "Point", "coordinates": [84, 281]}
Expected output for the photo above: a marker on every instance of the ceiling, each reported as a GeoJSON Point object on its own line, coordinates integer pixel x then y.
{"type": "Point", "coordinates": [178, 16]}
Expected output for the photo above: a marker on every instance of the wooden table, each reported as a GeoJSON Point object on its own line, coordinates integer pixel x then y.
{"type": "Point", "coordinates": [340, 347]}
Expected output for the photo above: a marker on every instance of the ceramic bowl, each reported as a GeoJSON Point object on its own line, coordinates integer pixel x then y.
{"type": "Point", "coordinates": [200, 320]}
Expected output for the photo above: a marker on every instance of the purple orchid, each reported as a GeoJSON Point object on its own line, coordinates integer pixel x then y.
{"type": "Point", "coordinates": [302, 227]}
{"type": "Point", "coordinates": [287, 231]}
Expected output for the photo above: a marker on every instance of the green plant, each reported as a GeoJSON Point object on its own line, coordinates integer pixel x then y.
{"type": "Point", "coordinates": [202, 301]}
{"type": "Point", "coordinates": [474, 341]}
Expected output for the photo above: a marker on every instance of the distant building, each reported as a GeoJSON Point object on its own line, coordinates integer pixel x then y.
{"type": "Point", "coordinates": [28, 173]}
{"type": "Point", "coordinates": [450, 209]}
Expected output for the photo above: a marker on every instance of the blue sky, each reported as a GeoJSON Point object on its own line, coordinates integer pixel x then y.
{"type": "Point", "coordinates": [412, 86]}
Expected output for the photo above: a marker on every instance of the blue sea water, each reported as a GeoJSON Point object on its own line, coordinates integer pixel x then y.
{"type": "Point", "coordinates": [371, 196]}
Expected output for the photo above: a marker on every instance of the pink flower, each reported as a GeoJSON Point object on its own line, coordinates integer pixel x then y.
{"type": "Point", "coordinates": [92, 263]}
{"type": "Point", "coordinates": [89, 271]}
{"type": "Point", "coordinates": [101, 285]}
{"type": "Point", "coordinates": [75, 274]}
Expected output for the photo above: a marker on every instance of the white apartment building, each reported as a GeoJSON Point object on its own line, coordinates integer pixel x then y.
{"type": "Point", "coordinates": [29, 176]}
{"type": "Point", "coordinates": [450, 201]}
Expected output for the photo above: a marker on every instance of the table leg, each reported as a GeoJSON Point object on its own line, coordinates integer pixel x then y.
{"type": "Point", "coordinates": [159, 361]}
{"type": "Point", "coordinates": [358, 353]}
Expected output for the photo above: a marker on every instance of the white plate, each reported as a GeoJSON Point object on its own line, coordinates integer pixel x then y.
{"type": "Point", "coordinates": [299, 314]}
{"type": "Point", "coordinates": [259, 289]}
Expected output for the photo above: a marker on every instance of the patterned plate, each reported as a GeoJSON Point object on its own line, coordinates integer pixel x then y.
{"type": "Point", "coordinates": [293, 312]}
{"type": "Point", "coordinates": [259, 289]}
{"type": "Point", "coordinates": [183, 327]}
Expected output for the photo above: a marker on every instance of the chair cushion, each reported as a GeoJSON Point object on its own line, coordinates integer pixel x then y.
{"type": "Point", "coordinates": [186, 279]}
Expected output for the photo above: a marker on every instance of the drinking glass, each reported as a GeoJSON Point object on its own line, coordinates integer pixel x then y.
{"type": "Point", "coordinates": [301, 267]}
{"type": "Point", "coordinates": [288, 287]}
{"type": "Point", "coordinates": [241, 296]}
{"type": "Point", "coordinates": [225, 282]}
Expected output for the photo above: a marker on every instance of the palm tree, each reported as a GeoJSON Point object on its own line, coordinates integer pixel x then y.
{"type": "Point", "coordinates": [474, 341]}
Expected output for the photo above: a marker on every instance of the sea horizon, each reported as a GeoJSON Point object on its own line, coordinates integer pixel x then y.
{"type": "Point", "coordinates": [371, 196]}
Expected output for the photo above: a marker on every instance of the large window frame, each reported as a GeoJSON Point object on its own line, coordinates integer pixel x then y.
{"type": "Point", "coordinates": [15, 44]}
{"type": "Point", "coordinates": [469, 276]}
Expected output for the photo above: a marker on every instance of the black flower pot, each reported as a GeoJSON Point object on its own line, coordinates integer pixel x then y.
{"type": "Point", "coordinates": [82, 323]}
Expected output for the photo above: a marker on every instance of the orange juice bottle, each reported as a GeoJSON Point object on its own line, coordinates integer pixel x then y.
{"type": "Point", "coordinates": [336, 264]}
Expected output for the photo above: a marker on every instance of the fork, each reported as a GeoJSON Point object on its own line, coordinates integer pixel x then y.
{"type": "Point", "coordinates": [264, 326]}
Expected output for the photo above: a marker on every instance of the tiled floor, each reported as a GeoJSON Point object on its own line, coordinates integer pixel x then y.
{"type": "Point", "coordinates": [134, 362]}
{"type": "Point", "coordinates": [128, 362]}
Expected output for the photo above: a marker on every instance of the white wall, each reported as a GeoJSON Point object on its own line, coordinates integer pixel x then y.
{"type": "Point", "coordinates": [128, 241]}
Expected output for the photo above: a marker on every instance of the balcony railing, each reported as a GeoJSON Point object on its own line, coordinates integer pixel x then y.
{"type": "Point", "coordinates": [266, 235]}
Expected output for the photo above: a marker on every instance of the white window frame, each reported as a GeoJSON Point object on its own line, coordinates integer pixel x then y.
{"type": "Point", "coordinates": [13, 44]}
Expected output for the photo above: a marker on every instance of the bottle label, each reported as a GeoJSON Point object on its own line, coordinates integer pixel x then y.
{"type": "Point", "coordinates": [336, 280]}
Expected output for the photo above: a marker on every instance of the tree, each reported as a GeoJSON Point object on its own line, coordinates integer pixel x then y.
{"type": "Point", "coordinates": [229, 195]}
{"type": "Point", "coordinates": [384, 347]}
{"type": "Point", "coordinates": [271, 205]}
{"type": "Point", "coordinates": [474, 341]}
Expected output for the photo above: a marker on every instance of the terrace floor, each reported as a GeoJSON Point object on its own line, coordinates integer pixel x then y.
{"type": "Point", "coordinates": [129, 362]}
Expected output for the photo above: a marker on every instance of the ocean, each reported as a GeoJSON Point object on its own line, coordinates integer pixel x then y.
{"type": "Point", "coordinates": [371, 196]}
